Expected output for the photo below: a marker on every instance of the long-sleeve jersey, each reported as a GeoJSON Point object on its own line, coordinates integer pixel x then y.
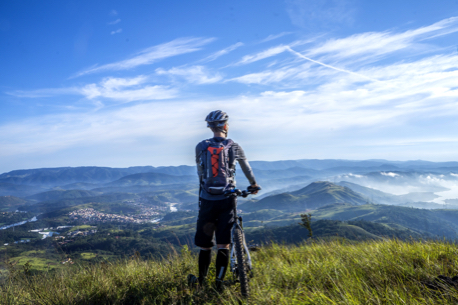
{"type": "Point", "coordinates": [240, 157]}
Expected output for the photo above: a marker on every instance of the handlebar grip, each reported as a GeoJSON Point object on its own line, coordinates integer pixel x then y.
{"type": "Point", "coordinates": [254, 188]}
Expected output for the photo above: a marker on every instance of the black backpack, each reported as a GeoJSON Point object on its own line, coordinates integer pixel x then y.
{"type": "Point", "coordinates": [218, 163]}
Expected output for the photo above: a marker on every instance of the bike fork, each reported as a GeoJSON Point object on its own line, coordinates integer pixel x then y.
{"type": "Point", "coordinates": [233, 256]}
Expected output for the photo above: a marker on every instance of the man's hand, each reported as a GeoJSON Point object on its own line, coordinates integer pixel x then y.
{"type": "Point", "coordinates": [254, 189]}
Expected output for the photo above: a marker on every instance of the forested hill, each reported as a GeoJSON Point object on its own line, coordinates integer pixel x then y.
{"type": "Point", "coordinates": [314, 195]}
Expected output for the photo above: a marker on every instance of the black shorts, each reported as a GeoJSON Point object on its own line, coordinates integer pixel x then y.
{"type": "Point", "coordinates": [215, 217]}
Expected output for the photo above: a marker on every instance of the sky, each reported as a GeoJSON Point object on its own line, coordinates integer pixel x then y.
{"type": "Point", "coordinates": [129, 83]}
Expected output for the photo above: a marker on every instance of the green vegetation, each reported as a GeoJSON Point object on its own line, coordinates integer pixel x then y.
{"type": "Point", "coordinates": [82, 227]}
{"type": "Point", "coordinates": [10, 203]}
{"type": "Point", "coordinates": [335, 272]}
{"type": "Point", "coordinates": [88, 255]}
{"type": "Point", "coordinates": [315, 195]}
{"type": "Point", "coordinates": [62, 194]}
{"type": "Point", "coordinates": [330, 229]}
{"type": "Point", "coordinates": [439, 223]}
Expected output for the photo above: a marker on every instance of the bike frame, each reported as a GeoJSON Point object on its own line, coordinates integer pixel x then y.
{"type": "Point", "coordinates": [238, 224]}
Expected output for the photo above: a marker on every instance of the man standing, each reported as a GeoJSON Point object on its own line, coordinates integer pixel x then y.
{"type": "Point", "coordinates": [216, 159]}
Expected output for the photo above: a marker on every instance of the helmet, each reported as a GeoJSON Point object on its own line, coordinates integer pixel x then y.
{"type": "Point", "coordinates": [216, 119]}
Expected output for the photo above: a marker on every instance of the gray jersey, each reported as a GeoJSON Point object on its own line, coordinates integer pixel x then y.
{"type": "Point", "coordinates": [239, 155]}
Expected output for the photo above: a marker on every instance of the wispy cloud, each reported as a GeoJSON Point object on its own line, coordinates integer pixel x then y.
{"type": "Point", "coordinates": [153, 54]}
{"type": "Point", "coordinates": [374, 44]}
{"type": "Point", "coordinates": [116, 32]}
{"type": "Point", "coordinates": [273, 37]}
{"type": "Point", "coordinates": [269, 76]}
{"type": "Point", "coordinates": [223, 52]}
{"type": "Point", "coordinates": [247, 59]}
{"type": "Point", "coordinates": [329, 66]}
{"type": "Point", "coordinates": [127, 90]}
{"type": "Point", "coordinates": [110, 88]}
{"type": "Point", "coordinates": [114, 22]}
{"type": "Point", "coordinates": [194, 74]}
{"type": "Point", "coordinates": [113, 13]}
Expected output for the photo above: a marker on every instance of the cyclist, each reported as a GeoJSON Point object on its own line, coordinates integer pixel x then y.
{"type": "Point", "coordinates": [216, 159]}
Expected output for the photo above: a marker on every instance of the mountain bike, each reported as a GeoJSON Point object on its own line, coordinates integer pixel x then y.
{"type": "Point", "coordinates": [241, 264]}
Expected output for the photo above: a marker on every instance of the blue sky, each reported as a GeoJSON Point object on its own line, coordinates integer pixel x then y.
{"type": "Point", "coordinates": [117, 83]}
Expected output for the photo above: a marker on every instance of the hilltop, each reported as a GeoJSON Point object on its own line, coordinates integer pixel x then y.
{"type": "Point", "coordinates": [335, 272]}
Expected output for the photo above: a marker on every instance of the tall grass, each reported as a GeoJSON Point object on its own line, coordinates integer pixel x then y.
{"type": "Point", "coordinates": [333, 272]}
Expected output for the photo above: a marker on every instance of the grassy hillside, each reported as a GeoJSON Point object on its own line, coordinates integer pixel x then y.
{"type": "Point", "coordinates": [376, 272]}
{"type": "Point", "coordinates": [330, 229]}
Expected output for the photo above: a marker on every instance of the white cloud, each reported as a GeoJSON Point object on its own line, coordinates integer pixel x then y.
{"type": "Point", "coordinates": [116, 32]}
{"type": "Point", "coordinates": [267, 77]}
{"type": "Point", "coordinates": [375, 44]}
{"type": "Point", "coordinates": [115, 89]}
{"type": "Point", "coordinates": [113, 13]}
{"type": "Point", "coordinates": [153, 54]}
{"type": "Point", "coordinates": [110, 88]}
{"type": "Point", "coordinates": [194, 74]}
{"type": "Point", "coordinates": [329, 66]}
{"type": "Point", "coordinates": [389, 174]}
{"type": "Point", "coordinates": [247, 59]}
{"type": "Point", "coordinates": [273, 37]}
{"type": "Point", "coordinates": [223, 52]}
{"type": "Point", "coordinates": [114, 22]}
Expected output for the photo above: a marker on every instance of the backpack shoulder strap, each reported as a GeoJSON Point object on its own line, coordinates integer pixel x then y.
{"type": "Point", "coordinates": [231, 154]}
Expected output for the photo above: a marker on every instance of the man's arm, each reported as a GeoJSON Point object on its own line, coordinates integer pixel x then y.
{"type": "Point", "coordinates": [246, 168]}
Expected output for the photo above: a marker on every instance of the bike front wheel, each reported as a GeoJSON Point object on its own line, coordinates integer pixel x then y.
{"type": "Point", "coordinates": [242, 267]}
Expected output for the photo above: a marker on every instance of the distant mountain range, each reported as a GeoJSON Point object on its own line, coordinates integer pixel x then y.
{"type": "Point", "coordinates": [66, 175]}
{"type": "Point", "coordinates": [265, 169]}
{"type": "Point", "coordinates": [291, 185]}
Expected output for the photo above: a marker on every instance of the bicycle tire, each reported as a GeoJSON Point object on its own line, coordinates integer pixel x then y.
{"type": "Point", "coordinates": [241, 264]}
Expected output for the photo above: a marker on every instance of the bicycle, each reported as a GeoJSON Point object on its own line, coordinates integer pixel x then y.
{"type": "Point", "coordinates": [240, 258]}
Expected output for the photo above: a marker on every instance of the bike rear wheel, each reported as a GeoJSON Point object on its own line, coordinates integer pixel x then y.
{"type": "Point", "coordinates": [241, 263]}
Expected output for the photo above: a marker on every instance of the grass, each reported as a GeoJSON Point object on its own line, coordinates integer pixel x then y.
{"type": "Point", "coordinates": [35, 263]}
{"type": "Point", "coordinates": [82, 227]}
{"type": "Point", "coordinates": [333, 272]}
{"type": "Point", "coordinates": [88, 255]}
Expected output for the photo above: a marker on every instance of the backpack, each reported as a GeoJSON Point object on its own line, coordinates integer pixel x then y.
{"type": "Point", "coordinates": [218, 163]}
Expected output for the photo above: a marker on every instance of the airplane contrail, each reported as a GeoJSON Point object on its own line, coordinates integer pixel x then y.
{"type": "Point", "coordinates": [331, 67]}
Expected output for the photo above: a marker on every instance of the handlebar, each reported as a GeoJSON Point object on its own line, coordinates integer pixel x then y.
{"type": "Point", "coordinates": [244, 193]}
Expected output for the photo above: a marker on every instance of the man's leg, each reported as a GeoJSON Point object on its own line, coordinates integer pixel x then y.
{"type": "Point", "coordinates": [223, 237]}
{"type": "Point", "coordinates": [204, 235]}
{"type": "Point", "coordinates": [205, 258]}
{"type": "Point", "coordinates": [222, 261]}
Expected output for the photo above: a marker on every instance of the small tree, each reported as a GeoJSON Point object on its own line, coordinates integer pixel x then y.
{"type": "Point", "coordinates": [307, 223]}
